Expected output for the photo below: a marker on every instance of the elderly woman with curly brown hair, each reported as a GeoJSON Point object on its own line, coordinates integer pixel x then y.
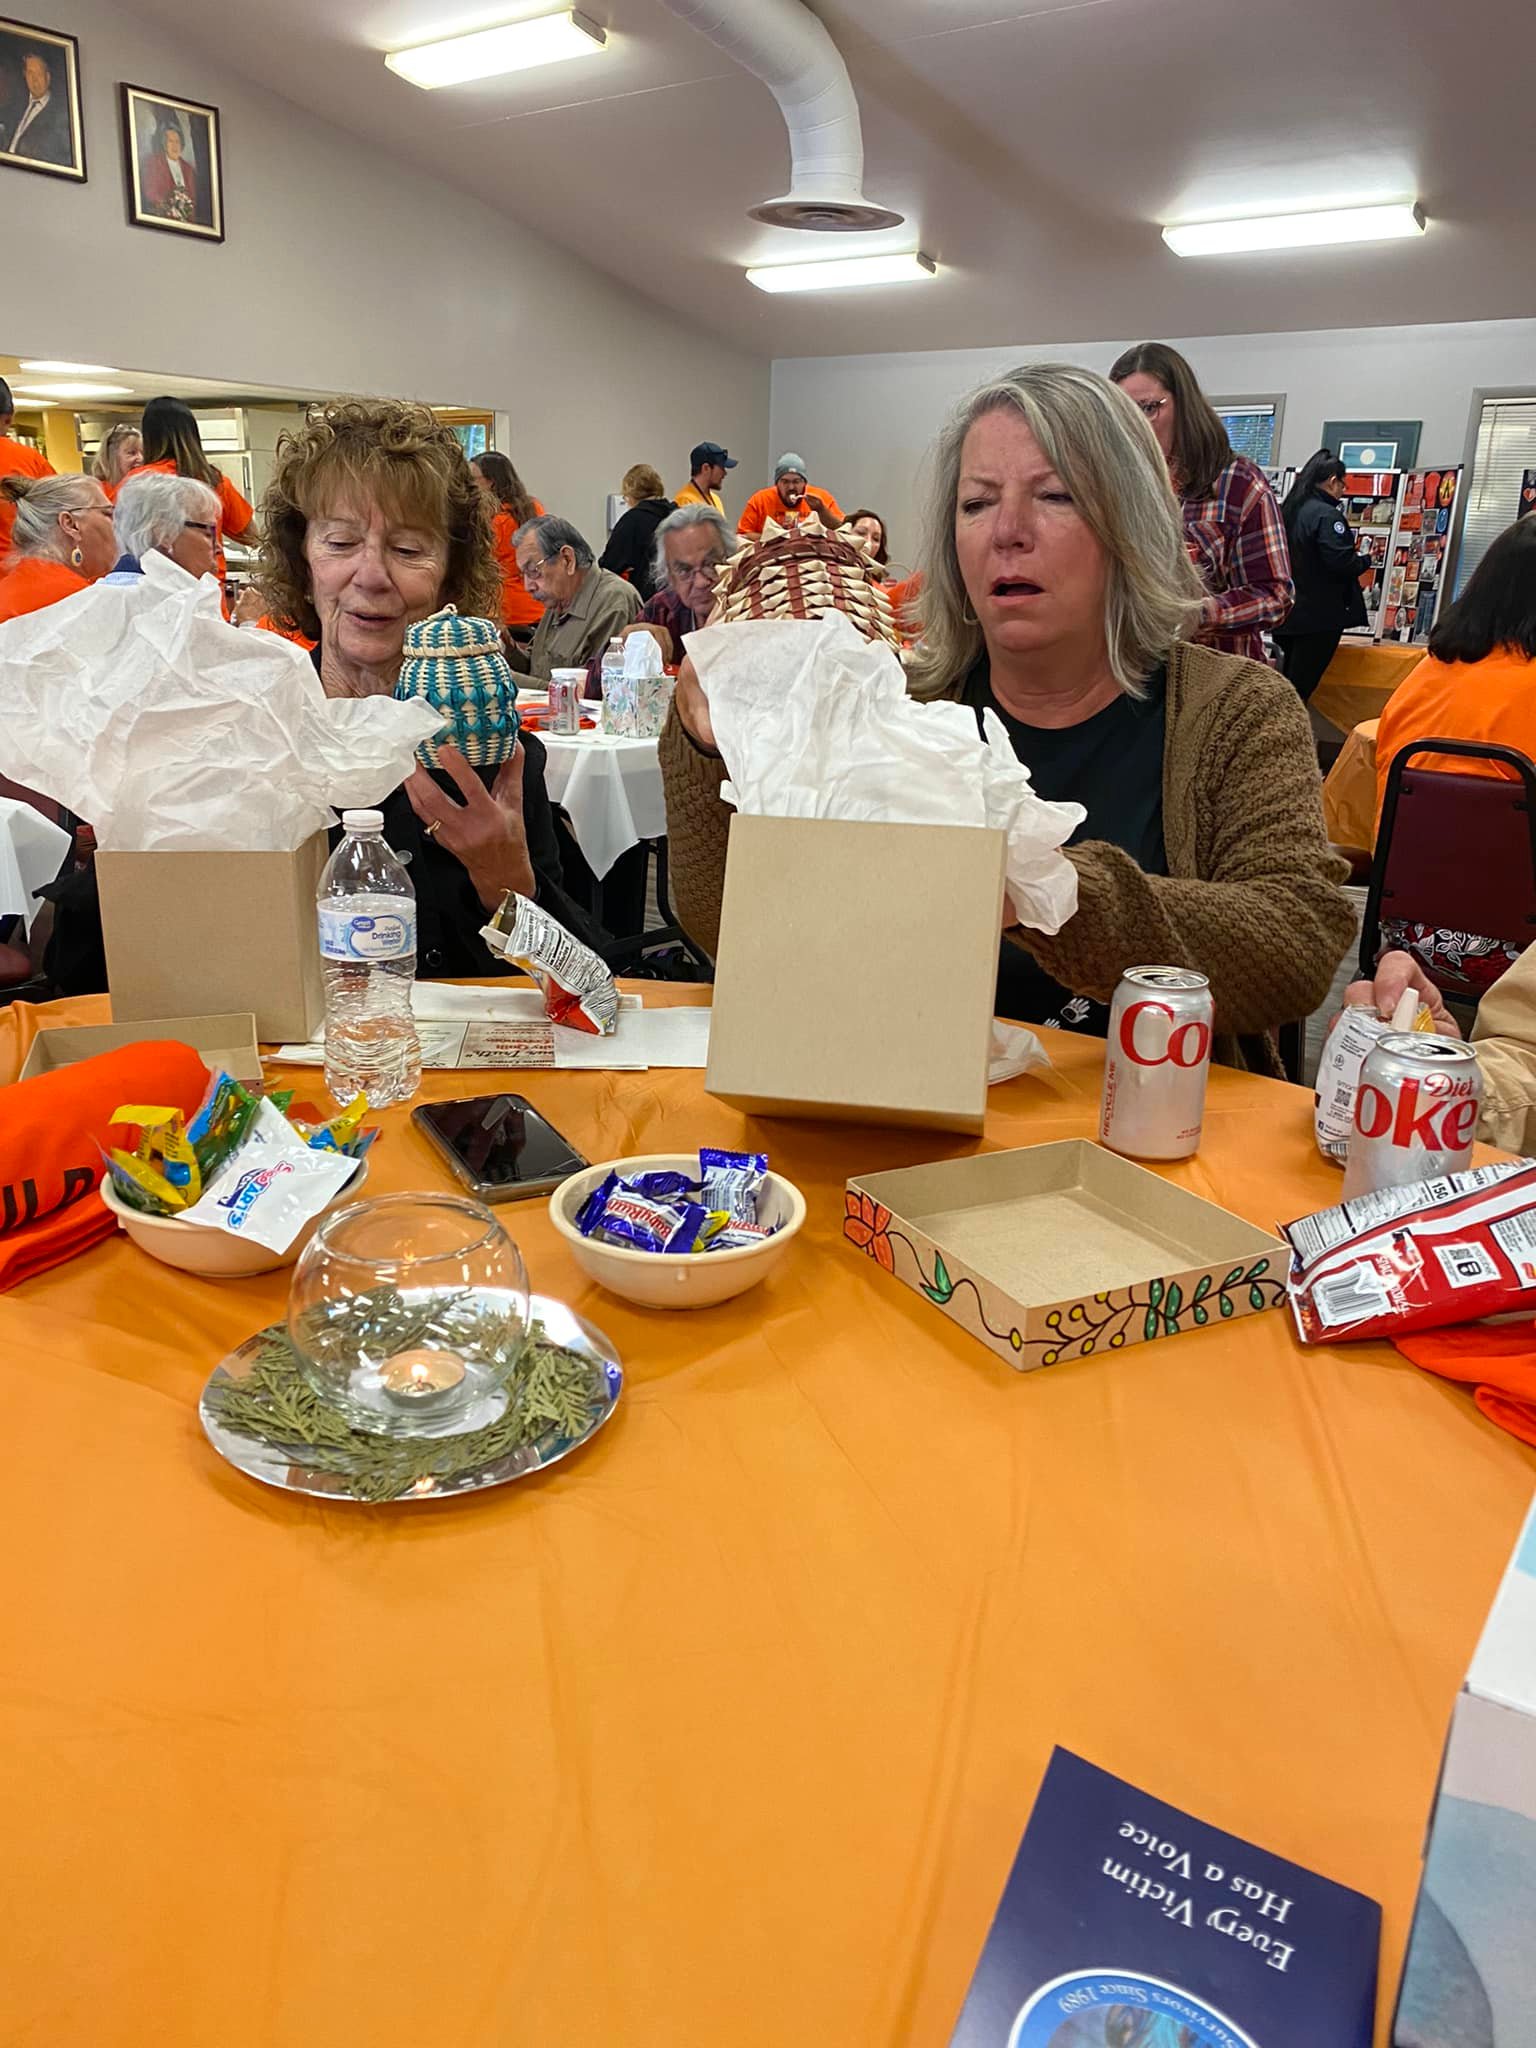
{"type": "Point", "coordinates": [371, 522]}
{"type": "Point", "coordinates": [1057, 595]}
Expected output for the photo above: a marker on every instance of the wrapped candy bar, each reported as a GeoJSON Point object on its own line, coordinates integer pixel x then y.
{"type": "Point", "coordinates": [161, 1173]}
{"type": "Point", "coordinates": [617, 1215]}
{"type": "Point", "coordinates": [272, 1185]}
{"type": "Point", "coordinates": [732, 1181]}
{"type": "Point", "coordinates": [578, 989]}
{"type": "Point", "coordinates": [1400, 1259]}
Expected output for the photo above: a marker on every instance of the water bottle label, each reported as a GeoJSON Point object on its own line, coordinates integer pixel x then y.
{"type": "Point", "coordinates": [359, 935]}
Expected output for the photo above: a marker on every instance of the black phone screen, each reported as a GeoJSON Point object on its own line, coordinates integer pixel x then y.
{"type": "Point", "coordinates": [501, 1141]}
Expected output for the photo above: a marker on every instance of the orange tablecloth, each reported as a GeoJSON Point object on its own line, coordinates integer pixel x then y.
{"type": "Point", "coordinates": [1359, 680]}
{"type": "Point", "coordinates": [726, 1730]}
{"type": "Point", "coordinates": [1349, 793]}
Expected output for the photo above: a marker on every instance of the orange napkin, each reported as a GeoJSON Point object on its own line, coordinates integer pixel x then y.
{"type": "Point", "coordinates": [1498, 1362]}
{"type": "Point", "coordinates": [50, 1129]}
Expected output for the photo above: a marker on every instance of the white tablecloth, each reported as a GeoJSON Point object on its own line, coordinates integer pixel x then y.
{"type": "Point", "coordinates": [609, 789]}
{"type": "Point", "coordinates": [32, 850]}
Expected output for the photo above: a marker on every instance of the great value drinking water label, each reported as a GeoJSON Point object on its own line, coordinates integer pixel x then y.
{"type": "Point", "coordinates": [348, 933]}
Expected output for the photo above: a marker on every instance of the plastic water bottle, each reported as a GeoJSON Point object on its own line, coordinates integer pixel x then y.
{"type": "Point", "coordinates": [618, 697]}
{"type": "Point", "coordinates": [367, 911]}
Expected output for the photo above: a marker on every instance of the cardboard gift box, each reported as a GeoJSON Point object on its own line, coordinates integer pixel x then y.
{"type": "Point", "coordinates": [202, 932]}
{"type": "Point", "coordinates": [1063, 1251]}
{"type": "Point", "coordinates": [856, 972]}
{"type": "Point", "coordinates": [1470, 1973]}
{"type": "Point", "coordinates": [227, 1042]}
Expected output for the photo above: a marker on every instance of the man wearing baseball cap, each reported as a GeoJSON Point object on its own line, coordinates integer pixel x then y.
{"type": "Point", "coordinates": [707, 466]}
{"type": "Point", "coordinates": [790, 500]}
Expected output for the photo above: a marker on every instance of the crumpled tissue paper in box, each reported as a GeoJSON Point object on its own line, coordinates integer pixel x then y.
{"type": "Point", "coordinates": [813, 721]}
{"type": "Point", "coordinates": [139, 707]}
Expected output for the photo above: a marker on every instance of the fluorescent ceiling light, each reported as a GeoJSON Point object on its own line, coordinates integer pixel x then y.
{"type": "Point", "coordinates": [518, 46]}
{"type": "Point", "coordinates": [72, 369]}
{"type": "Point", "coordinates": [1296, 230]}
{"type": "Point", "coordinates": [64, 391]}
{"type": "Point", "coordinates": [845, 270]}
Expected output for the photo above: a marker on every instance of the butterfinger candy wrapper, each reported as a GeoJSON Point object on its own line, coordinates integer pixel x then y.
{"type": "Point", "coordinates": [732, 1181]}
{"type": "Point", "coordinates": [578, 989]}
{"type": "Point", "coordinates": [1401, 1259]}
{"type": "Point", "coordinates": [272, 1186]}
{"type": "Point", "coordinates": [1355, 1030]}
{"type": "Point", "coordinates": [614, 1214]}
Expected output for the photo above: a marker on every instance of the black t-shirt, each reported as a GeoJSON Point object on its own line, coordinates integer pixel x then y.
{"type": "Point", "coordinates": [1111, 764]}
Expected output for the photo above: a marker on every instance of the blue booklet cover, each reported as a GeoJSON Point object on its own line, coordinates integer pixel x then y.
{"type": "Point", "coordinates": [1127, 1924]}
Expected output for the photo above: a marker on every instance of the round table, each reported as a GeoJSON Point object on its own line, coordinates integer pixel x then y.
{"type": "Point", "coordinates": [1349, 792]}
{"type": "Point", "coordinates": [1360, 679]}
{"type": "Point", "coordinates": [726, 1729]}
{"type": "Point", "coordinates": [610, 789]}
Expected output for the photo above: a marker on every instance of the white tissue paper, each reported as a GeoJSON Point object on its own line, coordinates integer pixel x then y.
{"type": "Point", "coordinates": [813, 721]}
{"type": "Point", "coordinates": [138, 707]}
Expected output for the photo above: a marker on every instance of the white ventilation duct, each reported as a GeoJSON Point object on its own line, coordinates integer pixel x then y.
{"type": "Point", "coordinates": [782, 43]}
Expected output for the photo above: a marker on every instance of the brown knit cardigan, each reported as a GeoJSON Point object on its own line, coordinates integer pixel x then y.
{"type": "Point", "coordinates": [1251, 897]}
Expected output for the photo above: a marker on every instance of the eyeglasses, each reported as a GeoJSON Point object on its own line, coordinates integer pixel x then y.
{"type": "Point", "coordinates": [200, 526]}
{"type": "Point", "coordinates": [1151, 406]}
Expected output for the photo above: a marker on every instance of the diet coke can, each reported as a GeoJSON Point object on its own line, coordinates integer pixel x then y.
{"type": "Point", "coordinates": [1156, 1063]}
{"type": "Point", "coordinates": [565, 690]}
{"type": "Point", "coordinates": [1415, 1112]}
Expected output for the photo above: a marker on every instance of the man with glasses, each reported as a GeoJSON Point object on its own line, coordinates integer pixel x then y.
{"type": "Point", "coordinates": [174, 516]}
{"type": "Point", "coordinates": [691, 545]}
{"type": "Point", "coordinates": [584, 605]}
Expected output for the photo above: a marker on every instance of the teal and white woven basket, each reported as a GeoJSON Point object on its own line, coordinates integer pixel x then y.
{"type": "Point", "coordinates": [456, 665]}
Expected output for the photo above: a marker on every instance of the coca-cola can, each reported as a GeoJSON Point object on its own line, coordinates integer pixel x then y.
{"type": "Point", "coordinates": [1156, 1063]}
{"type": "Point", "coordinates": [1415, 1112]}
{"type": "Point", "coordinates": [565, 692]}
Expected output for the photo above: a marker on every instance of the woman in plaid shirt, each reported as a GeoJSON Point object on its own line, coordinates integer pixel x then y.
{"type": "Point", "coordinates": [1232, 525]}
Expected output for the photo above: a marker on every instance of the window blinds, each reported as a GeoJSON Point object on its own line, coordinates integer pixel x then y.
{"type": "Point", "coordinates": [1506, 448]}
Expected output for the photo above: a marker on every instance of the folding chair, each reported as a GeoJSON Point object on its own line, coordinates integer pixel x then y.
{"type": "Point", "coordinates": [1455, 853]}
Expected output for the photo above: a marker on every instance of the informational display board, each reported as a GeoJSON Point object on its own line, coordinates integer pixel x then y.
{"type": "Point", "coordinates": [1420, 541]}
{"type": "Point", "coordinates": [1370, 505]}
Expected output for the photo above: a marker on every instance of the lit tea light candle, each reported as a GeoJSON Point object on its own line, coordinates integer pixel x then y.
{"type": "Point", "coordinates": [414, 1377]}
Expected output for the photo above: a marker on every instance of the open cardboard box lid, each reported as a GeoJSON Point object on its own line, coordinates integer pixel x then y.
{"type": "Point", "coordinates": [1064, 1250]}
{"type": "Point", "coordinates": [226, 1040]}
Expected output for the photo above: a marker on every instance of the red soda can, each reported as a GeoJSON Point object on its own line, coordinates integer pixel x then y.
{"type": "Point", "coordinates": [565, 688]}
{"type": "Point", "coordinates": [1416, 1112]}
{"type": "Point", "coordinates": [1156, 1063]}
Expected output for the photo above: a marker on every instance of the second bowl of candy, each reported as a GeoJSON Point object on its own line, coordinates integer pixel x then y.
{"type": "Point", "coordinates": [678, 1229]}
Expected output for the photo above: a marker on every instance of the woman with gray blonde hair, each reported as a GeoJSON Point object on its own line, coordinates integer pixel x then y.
{"type": "Point", "coordinates": [1056, 593]}
{"type": "Point", "coordinates": [62, 540]}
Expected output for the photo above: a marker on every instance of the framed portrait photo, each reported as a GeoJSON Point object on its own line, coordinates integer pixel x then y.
{"type": "Point", "coordinates": [40, 125]}
{"type": "Point", "coordinates": [174, 168]}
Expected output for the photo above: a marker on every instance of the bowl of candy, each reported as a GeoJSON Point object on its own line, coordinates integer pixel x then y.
{"type": "Point", "coordinates": [678, 1229]}
{"type": "Point", "coordinates": [238, 1190]}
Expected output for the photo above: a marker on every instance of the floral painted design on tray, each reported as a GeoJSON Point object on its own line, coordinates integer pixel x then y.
{"type": "Point", "coordinates": [1138, 1314]}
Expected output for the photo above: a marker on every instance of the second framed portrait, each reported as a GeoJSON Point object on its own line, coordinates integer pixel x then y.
{"type": "Point", "coordinates": [173, 164]}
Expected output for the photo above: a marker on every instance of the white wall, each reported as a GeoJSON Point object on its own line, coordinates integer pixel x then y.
{"type": "Point", "coordinates": [344, 270]}
{"type": "Point", "coordinates": [864, 423]}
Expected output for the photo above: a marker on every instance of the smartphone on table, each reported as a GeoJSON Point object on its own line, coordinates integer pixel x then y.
{"type": "Point", "coordinates": [499, 1146]}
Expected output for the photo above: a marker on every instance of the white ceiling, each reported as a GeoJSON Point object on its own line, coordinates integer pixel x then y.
{"type": "Point", "coordinates": [1035, 150]}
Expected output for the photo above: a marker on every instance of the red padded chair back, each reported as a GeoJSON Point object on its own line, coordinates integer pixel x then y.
{"type": "Point", "coordinates": [1455, 852]}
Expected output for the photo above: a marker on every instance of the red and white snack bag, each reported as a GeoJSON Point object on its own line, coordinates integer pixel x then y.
{"type": "Point", "coordinates": [578, 989]}
{"type": "Point", "coordinates": [1415, 1258]}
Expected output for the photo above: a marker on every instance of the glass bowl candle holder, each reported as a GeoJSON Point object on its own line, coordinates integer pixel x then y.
{"type": "Point", "coordinates": [408, 1314]}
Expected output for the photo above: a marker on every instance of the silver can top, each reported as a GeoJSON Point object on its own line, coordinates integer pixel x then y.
{"type": "Point", "coordinates": [1165, 977]}
{"type": "Point", "coordinates": [1428, 1046]}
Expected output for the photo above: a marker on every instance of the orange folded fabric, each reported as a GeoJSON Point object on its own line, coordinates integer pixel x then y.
{"type": "Point", "coordinates": [50, 1131]}
{"type": "Point", "coordinates": [1498, 1362]}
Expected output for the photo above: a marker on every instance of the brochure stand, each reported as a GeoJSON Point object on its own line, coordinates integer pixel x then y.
{"type": "Point", "coordinates": [1370, 505]}
{"type": "Point", "coordinates": [1415, 576]}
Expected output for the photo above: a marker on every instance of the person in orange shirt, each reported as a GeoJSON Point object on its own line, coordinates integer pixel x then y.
{"type": "Point", "coordinates": [512, 506]}
{"type": "Point", "coordinates": [790, 500]}
{"type": "Point", "coordinates": [174, 447]}
{"type": "Point", "coordinates": [1478, 681]}
{"type": "Point", "coordinates": [120, 453]}
{"type": "Point", "coordinates": [16, 459]}
{"type": "Point", "coordinates": [63, 540]}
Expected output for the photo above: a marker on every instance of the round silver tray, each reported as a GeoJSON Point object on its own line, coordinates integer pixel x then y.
{"type": "Point", "coordinates": [262, 1461]}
